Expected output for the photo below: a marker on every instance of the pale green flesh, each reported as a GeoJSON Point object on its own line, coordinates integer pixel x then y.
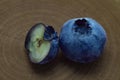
{"type": "Point", "coordinates": [38, 53]}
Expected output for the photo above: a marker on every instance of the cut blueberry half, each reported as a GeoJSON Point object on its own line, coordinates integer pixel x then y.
{"type": "Point", "coordinates": [41, 43]}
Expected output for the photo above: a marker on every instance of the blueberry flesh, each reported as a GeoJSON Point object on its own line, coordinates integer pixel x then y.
{"type": "Point", "coordinates": [82, 39]}
{"type": "Point", "coordinates": [41, 43]}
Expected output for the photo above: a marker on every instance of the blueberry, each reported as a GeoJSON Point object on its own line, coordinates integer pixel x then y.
{"type": "Point", "coordinates": [82, 39]}
{"type": "Point", "coordinates": [41, 43]}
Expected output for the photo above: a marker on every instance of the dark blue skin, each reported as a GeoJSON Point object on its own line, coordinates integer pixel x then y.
{"type": "Point", "coordinates": [49, 35]}
{"type": "Point", "coordinates": [82, 40]}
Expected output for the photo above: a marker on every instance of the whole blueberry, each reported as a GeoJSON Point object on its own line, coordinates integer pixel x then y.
{"type": "Point", "coordinates": [82, 39]}
{"type": "Point", "coordinates": [41, 43]}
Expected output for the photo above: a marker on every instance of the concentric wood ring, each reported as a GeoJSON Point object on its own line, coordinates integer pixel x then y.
{"type": "Point", "coordinates": [17, 17]}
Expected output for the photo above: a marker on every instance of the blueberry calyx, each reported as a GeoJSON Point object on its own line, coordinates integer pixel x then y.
{"type": "Point", "coordinates": [50, 33]}
{"type": "Point", "coordinates": [50, 29]}
{"type": "Point", "coordinates": [82, 23]}
{"type": "Point", "coordinates": [82, 26]}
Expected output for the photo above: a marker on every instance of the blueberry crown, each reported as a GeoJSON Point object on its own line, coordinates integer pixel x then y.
{"type": "Point", "coordinates": [50, 33]}
{"type": "Point", "coordinates": [82, 26]}
{"type": "Point", "coordinates": [81, 23]}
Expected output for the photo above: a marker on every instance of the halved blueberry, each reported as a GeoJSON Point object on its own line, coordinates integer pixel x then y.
{"type": "Point", "coordinates": [40, 48]}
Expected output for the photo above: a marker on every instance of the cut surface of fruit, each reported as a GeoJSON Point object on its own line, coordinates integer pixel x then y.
{"type": "Point", "coordinates": [37, 54]}
{"type": "Point", "coordinates": [38, 33]}
{"type": "Point", "coordinates": [38, 47]}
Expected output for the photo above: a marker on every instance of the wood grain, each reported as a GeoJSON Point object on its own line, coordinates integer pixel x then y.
{"type": "Point", "coordinates": [17, 17]}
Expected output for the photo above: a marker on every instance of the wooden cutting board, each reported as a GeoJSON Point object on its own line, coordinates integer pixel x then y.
{"type": "Point", "coordinates": [17, 17]}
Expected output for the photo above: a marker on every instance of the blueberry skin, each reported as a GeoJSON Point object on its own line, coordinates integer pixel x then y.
{"type": "Point", "coordinates": [53, 51]}
{"type": "Point", "coordinates": [80, 43]}
{"type": "Point", "coordinates": [51, 36]}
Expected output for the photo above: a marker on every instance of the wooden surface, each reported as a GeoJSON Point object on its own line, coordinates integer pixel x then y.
{"type": "Point", "coordinates": [17, 17]}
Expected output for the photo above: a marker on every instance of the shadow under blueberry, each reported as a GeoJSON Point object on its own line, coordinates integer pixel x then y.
{"type": "Point", "coordinates": [92, 68]}
{"type": "Point", "coordinates": [77, 68]}
{"type": "Point", "coordinates": [42, 69]}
